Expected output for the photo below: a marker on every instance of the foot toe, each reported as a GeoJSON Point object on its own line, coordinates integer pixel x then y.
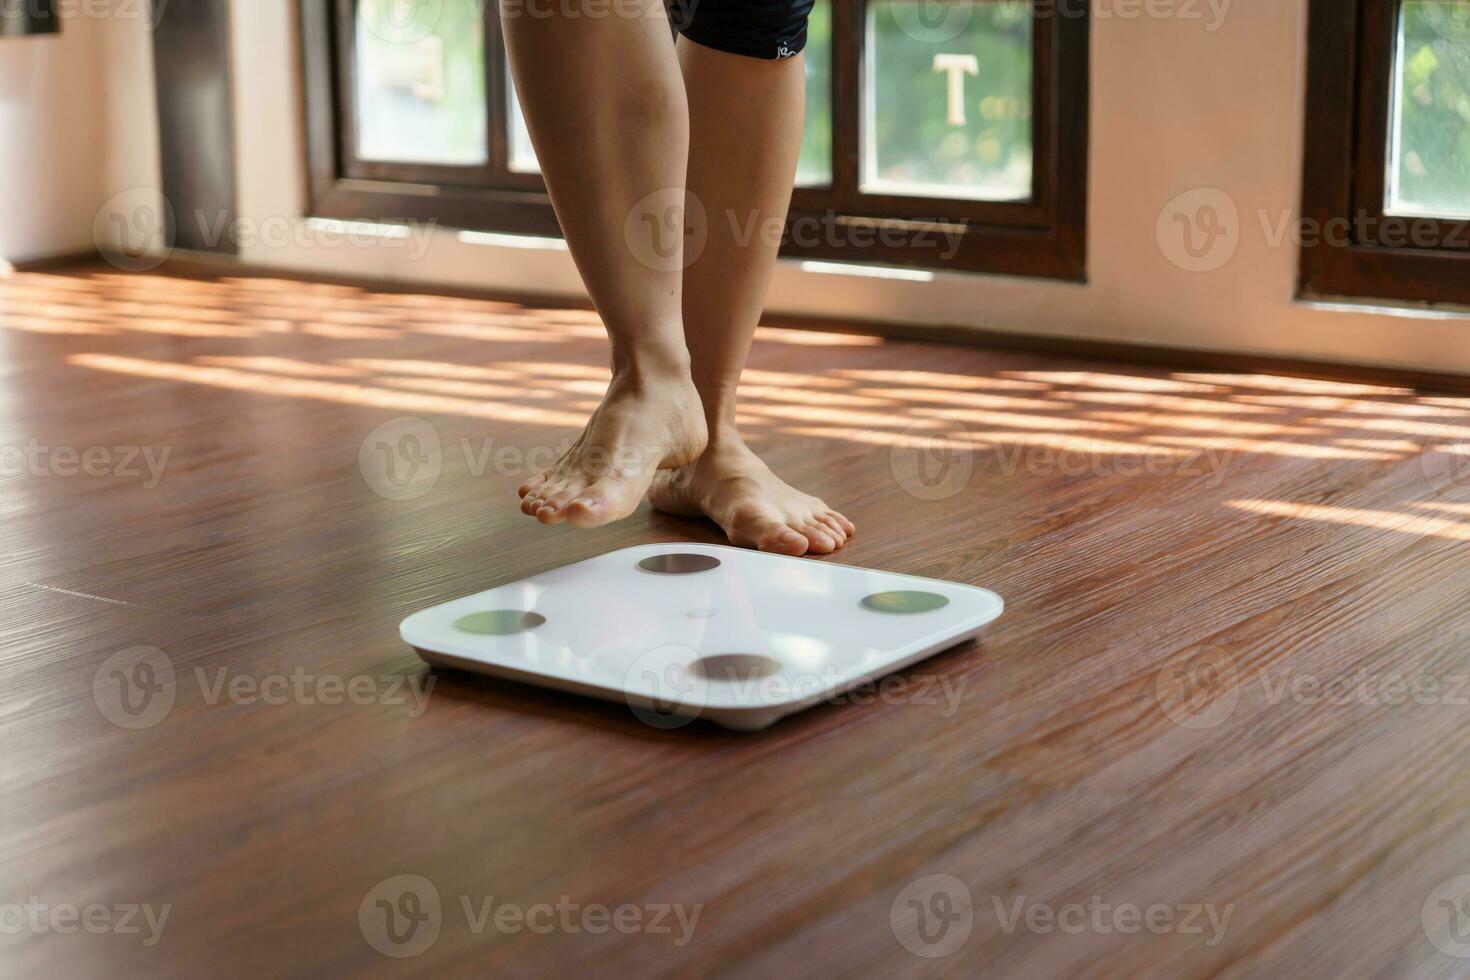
{"type": "Point", "coordinates": [847, 526]}
{"type": "Point", "coordinates": [831, 524]}
{"type": "Point", "coordinates": [819, 538]}
{"type": "Point", "coordinates": [783, 540]}
{"type": "Point", "coordinates": [751, 527]}
{"type": "Point", "coordinates": [553, 508]}
{"type": "Point", "coordinates": [599, 503]}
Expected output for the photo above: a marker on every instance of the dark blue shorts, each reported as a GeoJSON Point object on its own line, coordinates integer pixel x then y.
{"type": "Point", "coordinates": [754, 28]}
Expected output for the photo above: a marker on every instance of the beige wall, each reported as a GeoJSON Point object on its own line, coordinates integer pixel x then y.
{"type": "Point", "coordinates": [1175, 107]}
{"type": "Point", "coordinates": [52, 140]}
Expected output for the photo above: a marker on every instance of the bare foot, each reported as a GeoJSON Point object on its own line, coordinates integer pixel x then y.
{"type": "Point", "coordinates": [731, 486]}
{"type": "Point", "coordinates": [644, 422]}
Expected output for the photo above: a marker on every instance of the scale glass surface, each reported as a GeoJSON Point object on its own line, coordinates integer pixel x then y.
{"type": "Point", "coordinates": [681, 631]}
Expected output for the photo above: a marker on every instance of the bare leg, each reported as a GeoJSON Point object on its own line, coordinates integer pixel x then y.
{"type": "Point", "coordinates": [605, 105]}
{"type": "Point", "coordinates": [745, 138]}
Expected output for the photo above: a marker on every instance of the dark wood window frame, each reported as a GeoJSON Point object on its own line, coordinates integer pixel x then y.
{"type": "Point", "coordinates": [1044, 236]}
{"type": "Point", "coordinates": [28, 18]}
{"type": "Point", "coordinates": [1350, 247]}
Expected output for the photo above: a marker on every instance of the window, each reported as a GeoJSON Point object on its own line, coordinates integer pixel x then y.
{"type": "Point", "coordinates": [1386, 190]}
{"type": "Point", "coordinates": [30, 17]}
{"type": "Point", "coordinates": [948, 134]}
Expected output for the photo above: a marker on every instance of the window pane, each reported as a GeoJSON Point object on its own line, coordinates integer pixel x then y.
{"type": "Point", "coordinates": [522, 156]}
{"type": "Point", "coordinates": [421, 82]}
{"type": "Point", "coordinates": [947, 99]}
{"type": "Point", "coordinates": [1429, 165]}
{"type": "Point", "coordinates": [815, 165]}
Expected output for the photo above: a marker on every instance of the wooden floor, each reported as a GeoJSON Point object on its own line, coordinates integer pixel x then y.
{"type": "Point", "coordinates": [1186, 748]}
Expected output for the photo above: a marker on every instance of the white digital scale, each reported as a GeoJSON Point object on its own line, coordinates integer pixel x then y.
{"type": "Point", "coordinates": [683, 631]}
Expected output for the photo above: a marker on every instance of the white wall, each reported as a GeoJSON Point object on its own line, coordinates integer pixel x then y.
{"type": "Point", "coordinates": [1175, 107]}
{"type": "Point", "coordinates": [52, 140]}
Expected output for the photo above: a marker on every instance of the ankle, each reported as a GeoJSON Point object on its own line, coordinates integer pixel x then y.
{"type": "Point", "coordinates": [724, 436]}
{"type": "Point", "coordinates": [650, 362]}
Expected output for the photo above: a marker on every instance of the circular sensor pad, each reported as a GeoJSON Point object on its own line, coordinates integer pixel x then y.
{"type": "Point", "coordinates": [905, 602]}
{"type": "Point", "coordinates": [499, 622]}
{"type": "Point", "coordinates": [735, 667]}
{"type": "Point", "coordinates": [679, 563]}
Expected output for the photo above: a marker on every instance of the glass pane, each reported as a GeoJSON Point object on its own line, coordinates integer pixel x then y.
{"type": "Point", "coordinates": [522, 156]}
{"type": "Point", "coordinates": [947, 99]}
{"type": "Point", "coordinates": [1429, 159]}
{"type": "Point", "coordinates": [421, 82]}
{"type": "Point", "coordinates": [815, 165]}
